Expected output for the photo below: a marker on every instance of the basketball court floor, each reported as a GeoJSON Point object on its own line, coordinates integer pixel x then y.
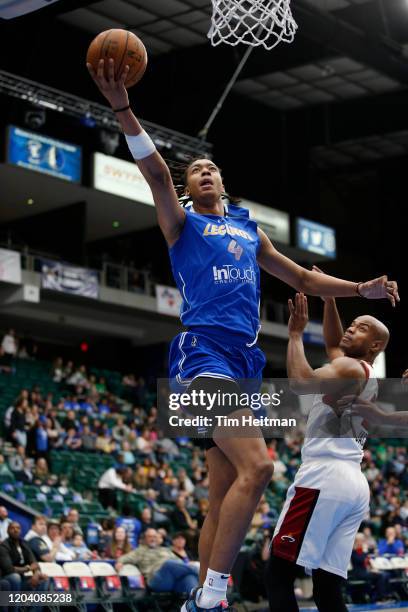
{"type": "Point", "coordinates": [391, 607]}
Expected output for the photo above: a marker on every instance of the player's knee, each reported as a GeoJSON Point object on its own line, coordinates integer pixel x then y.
{"type": "Point", "coordinates": [257, 474]}
{"type": "Point", "coordinates": [263, 471]}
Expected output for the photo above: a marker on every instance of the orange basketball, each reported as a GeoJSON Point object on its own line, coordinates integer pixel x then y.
{"type": "Point", "coordinates": [125, 48]}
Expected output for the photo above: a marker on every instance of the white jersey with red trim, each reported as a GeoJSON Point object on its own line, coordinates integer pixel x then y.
{"type": "Point", "coordinates": [328, 435]}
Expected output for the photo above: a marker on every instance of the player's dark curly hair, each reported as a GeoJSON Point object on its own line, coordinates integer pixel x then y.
{"type": "Point", "coordinates": [179, 172]}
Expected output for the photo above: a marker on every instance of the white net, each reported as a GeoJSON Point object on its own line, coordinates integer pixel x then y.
{"type": "Point", "coordinates": [252, 22]}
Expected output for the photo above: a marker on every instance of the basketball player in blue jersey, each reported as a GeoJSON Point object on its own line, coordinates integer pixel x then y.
{"type": "Point", "coordinates": [329, 497]}
{"type": "Point", "coordinates": [215, 254]}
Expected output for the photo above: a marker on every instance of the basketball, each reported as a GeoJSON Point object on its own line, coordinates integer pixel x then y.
{"type": "Point", "coordinates": [125, 48]}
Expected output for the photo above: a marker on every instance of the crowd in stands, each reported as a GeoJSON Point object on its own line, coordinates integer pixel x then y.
{"type": "Point", "coordinates": [152, 490]}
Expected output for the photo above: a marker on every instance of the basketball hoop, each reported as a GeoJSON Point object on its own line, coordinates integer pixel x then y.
{"type": "Point", "coordinates": [252, 22]}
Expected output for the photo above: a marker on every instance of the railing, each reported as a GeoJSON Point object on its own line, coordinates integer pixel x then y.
{"type": "Point", "coordinates": [132, 280]}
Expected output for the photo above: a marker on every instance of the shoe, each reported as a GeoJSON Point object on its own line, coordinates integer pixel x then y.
{"type": "Point", "coordinates": [191, 606]}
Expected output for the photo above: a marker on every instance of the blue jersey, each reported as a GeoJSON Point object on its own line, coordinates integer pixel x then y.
{"type": "Point", "coordinates": [214, 264]}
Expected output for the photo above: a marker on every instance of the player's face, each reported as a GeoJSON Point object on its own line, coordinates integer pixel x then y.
{"type": "Point", "coordinates": [358, 338]}
{"type": "Point", "coordinates": [204, 182]}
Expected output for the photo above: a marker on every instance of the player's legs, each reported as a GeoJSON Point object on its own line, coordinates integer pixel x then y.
{"type": "Point", "coordinates": [327, 591]}
{"type": "Point", "coordinates": [254, 469]}
{"type": "Point", "coordinates": [280, 580]}
{"type": "Point", "coordinates": [221, 476]}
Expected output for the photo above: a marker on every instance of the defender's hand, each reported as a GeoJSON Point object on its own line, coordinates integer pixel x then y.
{"type": "Point", "coordinates": [358, 407]}
{"type": "Point", "coordinates": [299, 315]}
{"type": "Point", "coordinates": [379, 288]}
{"type": "Point", "coordinates": [113, 89]}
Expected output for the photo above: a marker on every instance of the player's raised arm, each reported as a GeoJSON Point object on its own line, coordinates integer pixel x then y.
{"type": "Point", "coordinates": [151, 164]}
{"type": "Point", "coordinates": [332, 326]}
{"type": "Point", "coordinates": [313, 283]}
{"type": "Point", "coordinates": [304, 379]}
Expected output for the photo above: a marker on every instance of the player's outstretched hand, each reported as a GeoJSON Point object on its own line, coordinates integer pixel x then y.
{"type": "Point", "coordinates": [113, 89]}
{"type": "Point", "coordinates": [379, 288]}
{"type": "Point", "coordinates": [405, 378]}
{"type": "Point", "coordinates": [356, 406]}
{"type": "Point", "coordinates": [299, 315]}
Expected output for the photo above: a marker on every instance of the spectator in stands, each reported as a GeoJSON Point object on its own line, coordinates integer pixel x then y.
{"type": "Point", "coordinates": [110, 481]}
{"type": "Point", "coordinates": [159, 512]}
{"type": "Point", "coordinates": [128, 457]}
{"type": "Point", "coordinates": [70, 421]}
{"type": "Point", "coordinates": [106, 534]}
{"type": "Point", "coordinates": [203, 506]}
{"type": "Point", "coordinates": [9, 345]}
{"type": "Point", "coordinates": [26, 475]}
{"type": "Point", "coordinates": [55, 536]}
{"type": "Point", "coordinates": [201, 490]}
{"type": "Point", "coordinates": [80, 549]}
{"type": "Point", "coordinates": [129, 380]}
{"type": "Point", "coordinates": [5, 522]}
{"type": "Point", "coordinates": [16, 461]}
{"type": "Point", "coordinates": [88, 438]}
{"type": "Point", "coordinates": [178, 547]}
{"type": "Point", "coordinates": [104, 441]}
{"type": "Point", "coordinates": [404, 510]}
{"type": "Point", "coordinates": [4, 468]}
{"type": "Point", "coordinates": [73, 519]}
{"type": "Point", "coordinates": [41, 472]}
{"type": "Point", "coordinates": [146, 519]}
{"type": "Point", "coordinates": [371, 471]}
{"type": "Point", "coordinates": [41, 441]}
{"type": "Point", "coordinates": [67, 531]}
{"type": "Point", "coordinates": [182, 521]}
{"type": "Point", "coordinates": [144, 444]}
{"type": "Point", "coordinates": [378, 581]}
{"type": "Point", "coordinates": [136, 419]}
{"type": "Point", "coordinates": [253, 563]}
{"type": "Point", "coordinates": [167, 449]}
{"type": "Point", "coordinates": [369, 540]}
{"type": "Point", "coordinates": [120, 431]}
{"type": "Point", "coordinates": [5, 367]}
{"type": "Point", "coordinates": [131, 525]}
{"type": "Point", "coordinates": [119, 544]}
{"type": "Point", "coordinates": [170, 491]}
{"type": "Point", "coordinates": [39, 542]}
{"type": "Point", "coordinates": [101, 386]}
{"type": "Point", "coordinates": [18, 424]}
{"type": "Point", "coordinates": [68, 370]}
{"type": "Point", "coordinates": [16, 559]}
{"type": "Point", "coordinates": [162, 569]}
{"type": "Point", "coordinates": [72, 440]}
{"type": "Point", "coordinates": [185, 482]}
{"type": "Point", "coordinates": [54, 432]}
{"type": "Point", "coordinates": [79, 377]}
{"type": "Point", "coordinates": [390, 545]}
{"type": "Point", "coordinates": [58, 370]}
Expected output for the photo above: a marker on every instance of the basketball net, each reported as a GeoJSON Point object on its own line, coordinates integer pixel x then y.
{"type": "Point", "coordinates": [252, 22]}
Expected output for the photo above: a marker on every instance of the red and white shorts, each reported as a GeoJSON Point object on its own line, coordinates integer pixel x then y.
{"type": "Point", "coordinates": [324, 508]}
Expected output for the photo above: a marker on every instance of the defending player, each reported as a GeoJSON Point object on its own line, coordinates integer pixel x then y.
{"type": "Point", "coordinates": [329, 498]}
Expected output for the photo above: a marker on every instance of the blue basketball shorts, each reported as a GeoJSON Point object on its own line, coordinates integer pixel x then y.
{"type": "Point", "coordinates": [194, 355]}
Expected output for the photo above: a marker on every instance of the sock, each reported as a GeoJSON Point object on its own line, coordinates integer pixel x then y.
{"type": "Point", "coordinates": [214, 589]}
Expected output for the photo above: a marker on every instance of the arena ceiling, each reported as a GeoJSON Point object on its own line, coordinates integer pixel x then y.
{"type": "Point", "coordinates": [344, 48]}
